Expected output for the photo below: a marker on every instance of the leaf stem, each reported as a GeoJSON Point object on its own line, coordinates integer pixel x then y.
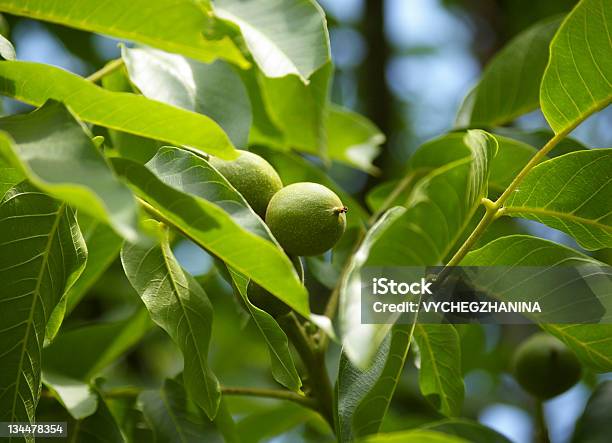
{"type": "Point", "coordinates": [541, 432]}
{"type": "Point", "coordinates": [483, 224]}
{"type": "Point", "coordinates": [537, 158]}
{"type": "Point", "coordinates": [110, 67]}
{"type": "Point", "coordinates": [271, 393]}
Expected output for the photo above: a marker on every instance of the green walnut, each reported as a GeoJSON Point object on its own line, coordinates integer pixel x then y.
{"type": "Point", "coordinates": [253, 177]}
{"type": "Point", "coordinates": [306, 218]}
{"type": "Point", "coordinates": [545, 367]}
{"type": "Point", "coordinates": [268, 302]}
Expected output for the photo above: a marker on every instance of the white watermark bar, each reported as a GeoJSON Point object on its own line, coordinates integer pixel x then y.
{"type": "Point", "coordinates": [26, 429]}
{"type": "Point", "coordinates": [501, 294]}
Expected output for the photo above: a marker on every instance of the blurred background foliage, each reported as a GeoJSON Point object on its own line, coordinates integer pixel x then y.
{"type": "Point", "coordinates": [406, 64]}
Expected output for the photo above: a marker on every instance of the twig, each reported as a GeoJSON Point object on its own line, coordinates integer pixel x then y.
{"type": "Point", "coordinates": [315, 365]}
{"type": "Point", "coordinates": [105, 70]}
{"type": "Point", "coordinates": [541, 434]}
{"type": "Point", "coordinates": [271, 393]}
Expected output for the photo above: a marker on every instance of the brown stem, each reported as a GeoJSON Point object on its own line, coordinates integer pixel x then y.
{"type": "Point", "coordinates": [541, 434]}
{"type": "Point", "coordinates": [314, 362]}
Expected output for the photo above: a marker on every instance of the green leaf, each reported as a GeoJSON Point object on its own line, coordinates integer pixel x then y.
{"type": "Point", "coordinates": [511, 156]}
{"type": "Point", "coordinates": [571, 193]}
{"type": "Point", "coordinates": [578, 79]}
{"type": "Point", "coordinates": [263, 131]}
{"type": "Point", "coordinates": [103, 247]}
{"type": "Point", "coordinates": [283, 368]}
{"type": "Point", "coordinates": [431, 224]}
{"type": "Point", "coordinates": [440, 376]}
{"type": "Point", "coordinates": [469, 430]}
{"type": "Point", "coordinates": [594, 424]}
{"type": "Point", "coordinates": [352, 139]}
{"type": "Point", "coordinates": [363, 395]}
{"type": "Point", "coordinates": [431, 155]}
{"type": "Point", "coordinates": [284, 36]}
{"type": "Point", "coordinates": [591, 343]}
{"type": "Point", "coordinates": [43, 254]}
{"type": "Point", "coordinates": [35, 83]}
{"type": "Point", "coordinates": [214, 90]}
{"type": "Point", "coordinates": [6, 49]}
{"type": "Point", "coordinates": [272, 422]}
{"type": "Point", "coordinates": [378, 195]}
{"type": "Point", "coordinates": [100, 427]}
{"type": "Point", "coordinates": [211, 227]}
{"type": "Point", "coordinates": [299, 110]}
{"type": "Point", "coordinates": [139, 20]}
{"type": "Point", "coordinates": [173, 417]}
{"type": "Point", "coordinates": [9, 176]}
{"type": "Point", "coordinates": [51, 148]}
{"type": "Point", "coordinates": [413, 436]}
{"type": "Point", "coordinates": [76, 396]}
{"type": "Point", "coordinates": [510, 84]}
{"type": "Point", "coordinates": [130, 146]}
{"type": "Point", "coordinates": [179, 305]}
{"type": "Point", "coordinates": [99, 345]}
{"type": "Point", "coordinates": [357, 338]}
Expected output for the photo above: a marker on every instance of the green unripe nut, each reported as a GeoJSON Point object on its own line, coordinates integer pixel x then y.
{"type": "Point", "coordinates": [545, 367]}
{"type": "Point", "coordinates": [265, 301]}
{"type": "Point", "coordinates": [306, 218]}
{"type": "Point", "coordinates": [253, 177]}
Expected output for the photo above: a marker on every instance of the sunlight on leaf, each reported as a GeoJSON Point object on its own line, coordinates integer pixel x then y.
{"type": "Point", "coordinates": [6, 49]}
{"type": "Point", "coordinates": [413, 436]}
{"type": "Point", "coordinates": [35, 83]}
{"type": "Point", "coordinates": [76, 396]}
{"type": "Point", "coordinates": [472, 431]}
{"type": "Point", "coordinates": [214, 90]}
{"type": "Point", "coordinates": [284, 36]}
{"type": "Point", "coordinates": [578, 79]}
{"type": "Point", "coordinates": [52, 149]}
{"type": "Point", "coordinates": [152, 23]}
{"type": "Point", "coordinates": [570, 193]}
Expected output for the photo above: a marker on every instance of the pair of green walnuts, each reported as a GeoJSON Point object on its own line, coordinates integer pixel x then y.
{"type": "Point", "coordinates": [305, 218]}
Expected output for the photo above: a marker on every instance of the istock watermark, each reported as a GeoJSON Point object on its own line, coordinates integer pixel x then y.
{"type": "Point", "coordinates": [503, 295]}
